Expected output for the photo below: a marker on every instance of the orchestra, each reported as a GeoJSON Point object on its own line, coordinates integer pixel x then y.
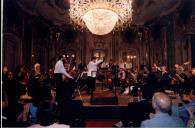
{"type": "Point", "coordinates": [127, 80]}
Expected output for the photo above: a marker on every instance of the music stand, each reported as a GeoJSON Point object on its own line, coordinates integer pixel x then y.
{"type": "Point", "coordinates": [78, 87]}
{"type": "Point", "coordinates": [82, 76]}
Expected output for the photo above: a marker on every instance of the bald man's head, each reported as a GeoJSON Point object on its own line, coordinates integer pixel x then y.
{"type": "Point", "coordinates": [161, 102]}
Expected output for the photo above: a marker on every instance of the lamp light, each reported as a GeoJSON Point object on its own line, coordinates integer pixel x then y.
{"type": "Point", "coordinates": [101, 16]}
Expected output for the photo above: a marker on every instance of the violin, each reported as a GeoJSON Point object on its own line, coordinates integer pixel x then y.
{"type": "Point", "coordinates": [72, 72]}
{"type": "Point", "coordinates": [173, 80]}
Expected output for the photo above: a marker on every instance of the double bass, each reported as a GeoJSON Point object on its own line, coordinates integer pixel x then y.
{"type": "Point", "coordinates": [108, 78]}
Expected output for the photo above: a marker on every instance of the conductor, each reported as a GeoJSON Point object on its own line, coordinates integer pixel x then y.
{"type": "Point", "coordinates": [91, 74]}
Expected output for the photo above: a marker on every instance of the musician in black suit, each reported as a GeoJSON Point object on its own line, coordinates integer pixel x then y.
{"type": "Point", "coordinates": [164, 81]}
{"type": "Point", "coordinates": [192, 79]}
{"type": "Point", "coordinates": [179, 80]}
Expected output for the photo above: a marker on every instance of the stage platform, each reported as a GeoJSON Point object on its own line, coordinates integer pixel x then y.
{"type": "Point", "coordinates": [103, 111]}
{"type": "Point", "coordinates": [123, 100]}
{"type": "Point", "coordinates": [108, 111]}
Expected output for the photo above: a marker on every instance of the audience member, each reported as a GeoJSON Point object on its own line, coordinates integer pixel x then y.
{"type": "Point", "coordinates": [71, 111]}
{"type": "Point", "coordinates": [183, 108]}
{"type": "Point", "coordinates": [46, 117]}
{"type": "Point", "coordinates": [192, 79]}
{"type": "Point", "coordinates": [162, 105]}
{"type": "Point", "coordinates": [135, 112]}
{"type": "Point", "coordinates": [10, 89]}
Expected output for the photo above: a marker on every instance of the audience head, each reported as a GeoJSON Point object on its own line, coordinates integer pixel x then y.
{"type": "Point", "coordinates": [161, 102]}
{"type": "Point", "coordinates": [46, 114]}
{"type": "Point", "coordinates": [46, 93]}
{"type": "Point", "coordinates": [147, 92]}
{"type": "Point", "coordinates": [192, 95]}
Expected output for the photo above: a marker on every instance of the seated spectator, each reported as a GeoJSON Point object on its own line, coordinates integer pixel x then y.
{"type": "Point", "coordinates": [23, 117]}
{"type": "Point", "coordinates": [71, 111]}
{"type": "Point", "coordinates": [46, 117]}
{"type": "Point", "coordinates": [162, 105]}
{"type": "Point", "coordinates": [10, 89]}
{"type": "Point", "coordinates": [146, 103]}
{"type": "Point", "coordinates": [183, 109]}
{"type": "Point", "coordinates": [47, 95]}
{"type": "Point", "coordinates": [135, 112]}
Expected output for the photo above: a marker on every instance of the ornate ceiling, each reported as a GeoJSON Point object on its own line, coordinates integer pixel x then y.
{"type": "Point", "coordinates": [57, 10]}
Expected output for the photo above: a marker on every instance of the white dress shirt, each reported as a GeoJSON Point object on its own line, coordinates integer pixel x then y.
{"type": "Point", "coordinates": [92, 68]}
{"type": "Point", "coordinates": [122, 75]}
{"type": "Point", "coordinates": [59, 68]}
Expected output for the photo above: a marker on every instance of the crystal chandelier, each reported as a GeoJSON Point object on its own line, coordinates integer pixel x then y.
{"type": "Point", "coordinates": [101, 16]}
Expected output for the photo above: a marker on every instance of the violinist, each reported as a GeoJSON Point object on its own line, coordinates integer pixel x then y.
{"type": "Point", "coordinates": [113, 68]}
{"type": "Point", "coordinates": [122, 79]}
{"type": "Point", "coordinates": [134, 81]}
{"type": "Point", "coordinates": [59, 71]}
{"type": "Point", "coordinates": [164, 81]}
{"type": "Point", "coordinates": [192, 79]}
{"type": "Point", "coordinates": [179, 79]}
{"type": "Point", "coordinates": [143, 74]}
{"type": "Point", "coordinates": [50, 78]}
{"type": "Point", "coordinates": [134, 75]}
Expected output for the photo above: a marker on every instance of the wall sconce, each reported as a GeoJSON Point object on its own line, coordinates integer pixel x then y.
{"type": "Point", "coordinates": [73, 56]}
